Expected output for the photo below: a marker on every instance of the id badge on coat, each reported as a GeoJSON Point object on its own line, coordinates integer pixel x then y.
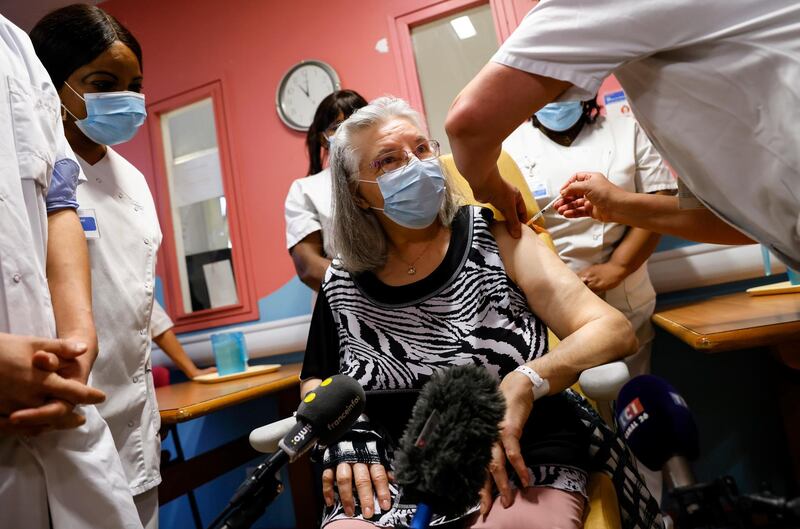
{"type": "Point", "coordinates": [88, 219]}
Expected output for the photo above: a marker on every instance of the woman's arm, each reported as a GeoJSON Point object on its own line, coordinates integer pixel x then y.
{"type": "Point", "coordinates": [70, 282]}
{"type": "Point", "coordinates": [309, 260]}
{"type": "Point", "coordinates": [169, 343]}
{"type": "Point", "coordinates": [591, 331]}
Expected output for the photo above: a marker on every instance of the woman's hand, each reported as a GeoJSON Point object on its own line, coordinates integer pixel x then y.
{"type": "Point", "coordinates": [365, 477]}
{"type": "Point", "coordinates": [589, 195]}
{"type": "Point", "coordinates": [518, 392]}
{"type": "Point", "coordinates": [603, 277]}
{"type": "Point", "coordinates": [196, 372]}
{"type": "Point", "coordinates": [505, 197]}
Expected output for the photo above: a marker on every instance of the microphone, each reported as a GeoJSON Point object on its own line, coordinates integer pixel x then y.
{"type": "Point", "coordinates": [324, 414]}
{"type": "Point", "coordinates": [659, 428]}
{"type": "Point", "coordinates": [447, 446]}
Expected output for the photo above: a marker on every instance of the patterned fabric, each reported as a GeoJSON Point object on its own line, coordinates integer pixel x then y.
{"type": "Point", "coordinates": [558, 477]}
{"type": "Point", "coordinates": [362, 444]}
{"type": "Point", "coordinates": [610, 455]}
{"type": "Point", "coordinates": [479, 316]}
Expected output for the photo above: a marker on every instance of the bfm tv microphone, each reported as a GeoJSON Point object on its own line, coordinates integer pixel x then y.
{"type": "Point", "coordinates": [659, 428]}
{"type": "Point", "coordinates": [447, 446]}
{"type": "Point", "coordinates": [325, 413]}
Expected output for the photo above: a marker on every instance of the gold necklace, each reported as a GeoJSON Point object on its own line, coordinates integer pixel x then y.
{"type": "Point", "coordinates": [411, 266]}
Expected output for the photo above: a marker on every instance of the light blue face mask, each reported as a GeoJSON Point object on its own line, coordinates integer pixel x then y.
{"type": "Point", "coordinates": [560, 116]}
{"type": "Point", "coordinates": [111, 117]}
{"type": "Point", "coordinates": [412, 195]}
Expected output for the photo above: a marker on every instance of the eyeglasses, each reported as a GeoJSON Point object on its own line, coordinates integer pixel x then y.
{"type": "Point", "coordinates": [394, 160]}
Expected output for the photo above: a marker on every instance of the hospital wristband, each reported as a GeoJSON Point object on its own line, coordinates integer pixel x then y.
{"type": "Point", "coordinates": [541, 387]}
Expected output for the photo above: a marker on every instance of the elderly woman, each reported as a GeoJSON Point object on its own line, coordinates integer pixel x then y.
{"type": "Point", "coordinates": [422, 283]}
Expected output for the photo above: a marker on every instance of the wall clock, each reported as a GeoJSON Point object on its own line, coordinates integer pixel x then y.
{"type": "Point", "coordinates": [301, 90]}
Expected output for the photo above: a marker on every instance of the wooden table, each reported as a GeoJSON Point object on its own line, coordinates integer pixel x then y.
{"type": "Point", "coordinates": [738, 321]}
{"type": "Point", "coordinates": [190, 400]}
{"type": "Point", "coordinates": [734, 321]}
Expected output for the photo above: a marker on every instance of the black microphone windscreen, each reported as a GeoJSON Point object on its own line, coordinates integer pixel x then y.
{"type": "Point", "coordinates": [656, 421]}
{"type": "Point", "coordinates": [447, 445]}
{"type": "Point", "coordinates": [332, 407]}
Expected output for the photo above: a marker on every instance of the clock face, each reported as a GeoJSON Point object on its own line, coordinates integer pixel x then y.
{"type": "Point", "coordinates": [301, 91]}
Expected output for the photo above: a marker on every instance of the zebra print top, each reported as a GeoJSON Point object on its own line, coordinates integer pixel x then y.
{"type": "Point", "coordinates": [467, 311]}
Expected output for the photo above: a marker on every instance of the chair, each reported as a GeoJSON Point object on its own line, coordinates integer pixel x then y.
{"type": "Point", "coordinates": [599, 384]}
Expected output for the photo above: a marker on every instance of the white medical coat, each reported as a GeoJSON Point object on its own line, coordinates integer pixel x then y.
{"type": "Point", "coordinates": [75, 474]}
{"type": "Point", "coordinates": [308, 209]}
{"type": "Point", "coordinates": [616, 147]}
{"type": "Point", "coordinates": [715, 84]}
{"type": "Point", "coordinates": [122, 251]}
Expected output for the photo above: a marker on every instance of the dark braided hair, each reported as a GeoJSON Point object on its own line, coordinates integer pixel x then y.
{"type": "Point", "coordinates": [75, 35]}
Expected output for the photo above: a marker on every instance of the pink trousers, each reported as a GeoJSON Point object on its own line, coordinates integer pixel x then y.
{"type": "Point", "coordinates": [533, 508]}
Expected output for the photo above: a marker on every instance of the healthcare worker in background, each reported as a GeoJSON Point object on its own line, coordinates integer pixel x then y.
{"type": "Point", "coordinates": [95, 64]}
{"type": "Point", "coordinates": [565, 138]}
{"type": "Point", "coordinates": [714, 84]}
{"type": "Point", "coordinates": [309, 232]}
{"type": "Point", "coordinates": [58, 465]}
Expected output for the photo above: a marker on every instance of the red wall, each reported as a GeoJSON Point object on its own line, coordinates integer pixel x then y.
{"type": "Point", "coordinates": [249, 45]}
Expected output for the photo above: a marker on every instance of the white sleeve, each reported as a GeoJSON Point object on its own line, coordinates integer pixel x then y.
{"type": "Point", "coordinates": [160, 321]}
{"type": "Point", "coordinates": [652, 174]}
{"type": "Point", "coordinates": [302, 218]}
{"type": "Point", "coordinates": [584, 41]}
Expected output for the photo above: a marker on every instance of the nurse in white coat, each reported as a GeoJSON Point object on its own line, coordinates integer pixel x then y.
{"type": "Point", "coordinates": [713, 83]}
{"type": "Point", "coordinates": [69, 478]}
{"type": "Point", "coordinates": [565, 138]}
{"type": "Point", "coordinates": [96, 65]}
{"type": "Point", "coordinates": [309, 230]}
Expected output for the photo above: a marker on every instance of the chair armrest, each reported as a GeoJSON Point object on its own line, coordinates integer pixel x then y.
{"type": "Point", "coordinates": [602, 383]}
{"type": "Point", "coordinates": [266, 438]}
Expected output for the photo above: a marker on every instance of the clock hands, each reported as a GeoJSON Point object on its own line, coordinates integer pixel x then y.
{"type": "Point", "coordinates": [305, 91]}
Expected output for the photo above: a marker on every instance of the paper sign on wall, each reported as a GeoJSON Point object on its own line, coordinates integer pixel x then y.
{"type": "Point", "coordinates": [220, 283]}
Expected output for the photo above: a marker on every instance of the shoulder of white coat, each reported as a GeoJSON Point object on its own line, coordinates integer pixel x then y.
{"type": "Point", "coordinates": [120, 163]}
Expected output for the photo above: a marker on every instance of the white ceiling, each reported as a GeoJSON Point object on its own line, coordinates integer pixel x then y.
{"type": "Point", "coordinates": [25, 13]}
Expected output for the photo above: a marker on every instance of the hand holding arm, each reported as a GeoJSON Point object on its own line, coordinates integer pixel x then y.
{"type": "Point", "coordinates": [489, 108]}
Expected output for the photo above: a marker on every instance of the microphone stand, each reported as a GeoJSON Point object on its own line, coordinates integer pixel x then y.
{"type": "Point", "coordinates": [254, 495]}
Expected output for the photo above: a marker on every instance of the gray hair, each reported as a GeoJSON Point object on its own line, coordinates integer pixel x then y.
{"type": "Point", "coordinates": [359, 239]}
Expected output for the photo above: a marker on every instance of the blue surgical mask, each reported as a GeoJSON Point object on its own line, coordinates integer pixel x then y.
{"type": "Point", "coordinates": [412, 195]}
{"type": "Point", "coordinates": [560, 116]}
{"type": "Point", "coordinates": [111, 117]}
